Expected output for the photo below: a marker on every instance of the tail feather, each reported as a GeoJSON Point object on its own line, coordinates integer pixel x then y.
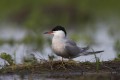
{"type": "Point", "coordinates": [90, 53]}
{"type": "Point", "coordinates": [84, 49]}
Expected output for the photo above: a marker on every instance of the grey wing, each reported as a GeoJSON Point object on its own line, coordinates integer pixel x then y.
{"type": "Point", "coordinates": [70, 42]}
{"type": "Point", "coordinates": [71, 48]}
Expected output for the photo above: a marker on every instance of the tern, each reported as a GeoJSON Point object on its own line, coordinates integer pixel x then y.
{"type": "Point", "coordinates": [66, 48]}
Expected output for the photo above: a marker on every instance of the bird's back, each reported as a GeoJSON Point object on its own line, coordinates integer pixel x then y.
{"type": "Point", "coordinates": [71, 48]}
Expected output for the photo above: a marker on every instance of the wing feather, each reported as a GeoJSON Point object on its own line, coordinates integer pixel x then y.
{"type": "Point", "coordinates": [71, 48]}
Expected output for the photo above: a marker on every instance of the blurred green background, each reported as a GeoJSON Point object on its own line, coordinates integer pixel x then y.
{"type": "Point", "coordinates": [37, 14]}
{"type": "Point", "coordinates": [89, 22]}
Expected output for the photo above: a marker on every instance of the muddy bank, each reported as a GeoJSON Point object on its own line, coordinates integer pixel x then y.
{"type": "Point", "coordinates": [66, 66]}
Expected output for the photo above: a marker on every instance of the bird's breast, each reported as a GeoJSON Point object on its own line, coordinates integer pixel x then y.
{"type": "Point", "coordinates": [58, 46]}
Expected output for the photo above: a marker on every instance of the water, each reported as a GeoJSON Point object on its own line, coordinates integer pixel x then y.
{"type": "Point", "coordinates": [61, 76]}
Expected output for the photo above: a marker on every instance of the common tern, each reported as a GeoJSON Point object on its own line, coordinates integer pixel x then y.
{"type": "Point", "coordinates": [66, 48]}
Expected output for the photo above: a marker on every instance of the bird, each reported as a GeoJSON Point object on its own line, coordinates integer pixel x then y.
{"type": "Point", "coordinates": [65, 47]}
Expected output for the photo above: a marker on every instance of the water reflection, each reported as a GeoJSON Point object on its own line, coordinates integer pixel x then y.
{"type": "Point", "coordinates": [61, 76]}
{"type": "Point", "coordinates": [8, 32]}
{"type": "Point", "coordinates": [103, 42]}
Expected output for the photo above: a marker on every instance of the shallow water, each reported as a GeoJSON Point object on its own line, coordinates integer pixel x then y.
{"type": "Point", "coordinates": [61, 76]}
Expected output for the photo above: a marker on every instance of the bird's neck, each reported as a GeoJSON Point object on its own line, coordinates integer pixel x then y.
{"type": "Point", "coordinates": [58, 39]}
{"type": "Point", "coordinates": [59, 36]}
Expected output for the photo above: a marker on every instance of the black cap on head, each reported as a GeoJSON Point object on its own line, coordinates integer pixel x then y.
{"type": "Point", "coordinates": [57, 28]}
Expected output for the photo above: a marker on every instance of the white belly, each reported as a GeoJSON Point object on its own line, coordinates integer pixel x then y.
{"type": "Point", "coordinates": [58, 47]}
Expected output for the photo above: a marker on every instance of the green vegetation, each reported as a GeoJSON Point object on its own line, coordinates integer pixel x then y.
{"type": "Point", "coordinates": [29, 60]}
{"type": "Point", "coordinates": [7, 57]}
{"type": "Point", "coordinates": [117, 49]}
{"type": "Point", "coordinates": [31, 65]}
{"type": "Point", "coordinates": [97, 60]}
{"type": "Point", "coordinates": [40, 13]}
{"type": "Point", "coordinates": [57, 66]}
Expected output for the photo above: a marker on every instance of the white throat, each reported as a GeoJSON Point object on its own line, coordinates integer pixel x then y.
{"type": "Point", "coordinates": [59, 34]}
{"type": "Point", "coordinates": [58, 38]}
{"type": "Point", "coordinates": [58, 41]}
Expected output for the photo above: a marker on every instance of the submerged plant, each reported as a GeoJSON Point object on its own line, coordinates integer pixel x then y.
{"type": "Point", "coordinates": [29, 59]}
{"type": "Point", "coordinates": [7, 57]}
